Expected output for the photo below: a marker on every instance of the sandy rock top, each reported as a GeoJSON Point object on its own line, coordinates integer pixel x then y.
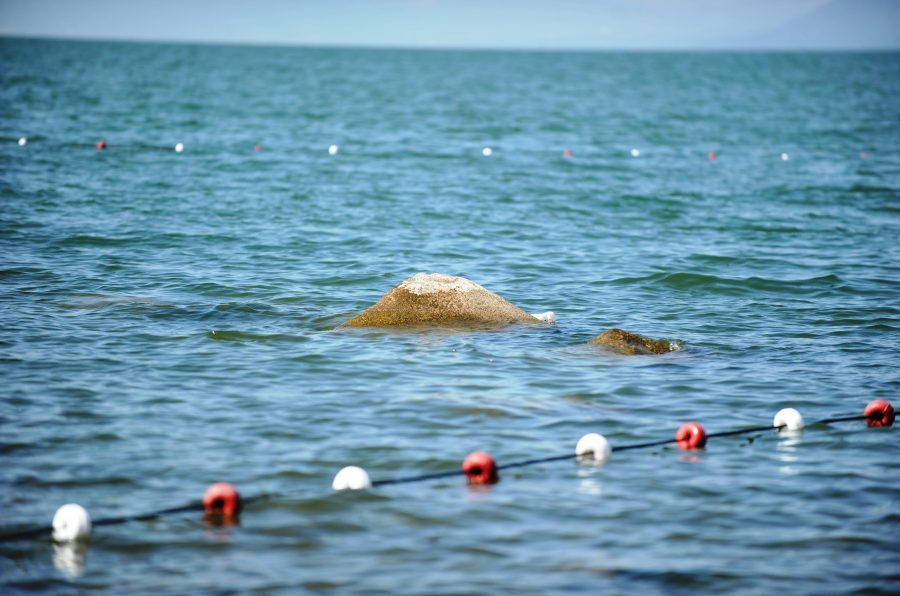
{"type": "Point", "coordinates": [425, 283]}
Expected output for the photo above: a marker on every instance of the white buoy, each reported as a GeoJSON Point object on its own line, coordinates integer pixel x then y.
{"type": "Point", "coordinates": [594, 445]}
{"type": "Point", "coordinates": [351, 478]}
{"type": "Point", "coordinates": [23, 141]}
{"type": "Point", "coordinates": [546, 317]}
{"type": "Point", "coordinates": [71, 522]}
{"type": "Point", "coordinates": [788, 419]}
{"type": "Point", "coordinates": [179, 147]}
{"type": "Point", "coordinates": [487, 152]}
{"type": "Point", "coordinates": [635, 153]}
{"type": "Point", "coordinates": [785, 157]}
{"type": "Point", "coordinates": [332, 150]}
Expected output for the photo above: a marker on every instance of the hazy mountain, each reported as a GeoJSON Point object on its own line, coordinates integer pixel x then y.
{"type": "Point", "coordinates": [840, 24]}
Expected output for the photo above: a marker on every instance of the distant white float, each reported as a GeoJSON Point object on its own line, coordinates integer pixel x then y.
{"type": "Point", "coordinates": [179, 147]}
{"type": "Point", "coordinates": [785, 157]}
{"type": "Point", "coordinates": [788, 419]}
{"type": "Point", "coordinates": [23, 141]}
{"type": "Point", "coordinates": [333, 150]}
{"type": "Point", "coordinates": [487, 152]}
{"type": "Point", "coordinates": [351, 478]}
{"type": "Point", "coordinates": [635, 153]}
{"type": "Point", "coordinates": [71, 522]}
{"type": "Point", "coordinates": [594, 447]}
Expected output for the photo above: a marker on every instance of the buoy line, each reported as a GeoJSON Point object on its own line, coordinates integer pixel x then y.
{"type": "Point", "coordinates": [222, 504]}
{"type": "Point", "coordinates": [333, 150]}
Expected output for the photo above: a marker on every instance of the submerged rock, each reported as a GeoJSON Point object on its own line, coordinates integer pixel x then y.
{"type": "Point", "coordinates": [441, 300]}
{"type": "Point", "coordinates": [631, 344]}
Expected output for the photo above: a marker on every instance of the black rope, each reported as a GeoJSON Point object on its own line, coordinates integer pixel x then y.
{"type": "Point", "coordinates": [643, 445]}
{"type": "Point", "coordinates": [107, 521]}
{"type": "Point", "coordinates": [744, 431]}
{"type": "Point", "coordinates": [552, 458]}
{"type": "Point", "coordinates": [421, 478]}
{"type": "Point", "coordinates": [848, 418]}
{"type": "Point", "coordinates": [540, 460]}
{"type": "Point", "coordinates": [110, 521]}
{"type": "Point", "coordinates": [114, 521]}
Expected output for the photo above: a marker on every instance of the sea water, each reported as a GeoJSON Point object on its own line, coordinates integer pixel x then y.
{"type": "Point", "coordinates": [171, 319]}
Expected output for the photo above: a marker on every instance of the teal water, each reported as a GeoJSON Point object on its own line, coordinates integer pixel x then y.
{"type": "Point", "coordinates": [169, 320]}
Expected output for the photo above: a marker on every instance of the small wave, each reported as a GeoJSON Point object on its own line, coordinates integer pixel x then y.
{"type": "Point", "coordinates": [97, 301]}
{"type": "Point", "coordinates": [91, 240]}
{"type": "Point", "coordinates": [36, 480]}
{"type": "Point", "coordinates": [735, 285]}
{"type": "Point", "coordinates": [243, 336]}
{"type": "Point", "coordinates": [870, 189]}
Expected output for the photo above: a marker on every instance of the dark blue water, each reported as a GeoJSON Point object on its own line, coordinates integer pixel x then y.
{"type": "Point", "coordinates": [169, 319]}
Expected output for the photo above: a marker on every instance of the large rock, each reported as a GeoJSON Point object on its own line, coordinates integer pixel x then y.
{"type": "Point", "coordinates": [629, 343]}
{"type": "Point", "coordinates": [440, 300]}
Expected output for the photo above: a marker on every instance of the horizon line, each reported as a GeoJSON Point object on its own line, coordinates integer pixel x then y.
{"type": "Point", "coordinates": [460, 48]}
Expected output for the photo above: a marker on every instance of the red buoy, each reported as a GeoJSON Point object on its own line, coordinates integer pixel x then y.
{"type": "Point", "coordinates": [567, 153]}
{"type": "Point", "coordinates": [101, 145]}
{"type": "Point", "coordinates": [690, 436]}
{"type": "Point", "coordinates": [863, 155]}
{"type": "Point", "coordinates": [480, 468]}
{"type": "Point", "coordinates": [222, 498]}
{"type": "Point", "coordinates": [879, 413]}
{"type": "Point", "coordinates": [258, 147]}
{"type": "Point", "coordinates": [711, 155]}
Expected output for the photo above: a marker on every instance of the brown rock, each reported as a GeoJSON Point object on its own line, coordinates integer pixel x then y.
{"type": "Point", "coordinates": [625, 342]}
{"type": "Point", "coordinates": [440, 300]}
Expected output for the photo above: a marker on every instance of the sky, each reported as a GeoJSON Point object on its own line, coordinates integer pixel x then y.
{"type": "Point", "coordinates": [532, 24]}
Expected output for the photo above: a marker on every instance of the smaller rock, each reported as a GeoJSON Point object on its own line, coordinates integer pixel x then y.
{"type": "Point", "coordinates": [632, 344]}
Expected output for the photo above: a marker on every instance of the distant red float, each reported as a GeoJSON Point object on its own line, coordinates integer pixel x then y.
{"type": "Point", "coordinates": [690, 436]}
{"type": "Point", "coordinates": [879, 413]}
{"type": "Point", "coordinates": [480, 468]}
{"type": "Point", "coordinates": [223, 499]}
{"type": "Point", "coordinates": [101, 145]}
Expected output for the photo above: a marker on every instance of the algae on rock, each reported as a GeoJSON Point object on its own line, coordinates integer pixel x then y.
{"type": "Point", "coordinates": [632, 344]}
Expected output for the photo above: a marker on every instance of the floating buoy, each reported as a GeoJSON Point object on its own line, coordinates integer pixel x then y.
{"type": "Point", "coordinates": [785, 157]}
{"type": "Point", "coordinates": [862, 154]}
{"type": "Point", "coordinates": [101, 145]}
{"type": "Point", "coordinates": [879, 413]}
{"type": "Point", "coordinates": [487, 152]}
{"type": "Point", "coordinates": [593, 447]}
{"type": "Point", "coordinates": [222, 498]}
{"type": "Point", "coordinates": [690, 436]}
{"type": "Point", "coordinates": [23, 141]}
{"type": "Point", "coordinates": [179, 147]}
{"type": "Point", "coordinates": [332, 150]}
{"type": "Point", "coordinates": [71, 522]}
{"type": "Point", "coordinates": [480, 468]}
{"type": "Point", "coordinates": [635, 153]}
{"type": "Point", "coordinates": [258, 147]}
{"type": "Point", "coordinates": [788, 419]}
{"type": "Point", "coordinates": [351, 478]}
{"type": "Point", "coordinates": [711, 155]}
{"type": "Point", "coordinates": [567, 153]}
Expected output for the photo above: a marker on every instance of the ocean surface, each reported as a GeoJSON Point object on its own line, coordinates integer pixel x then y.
{"type": "Point", "coordinates": [172, 319]}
